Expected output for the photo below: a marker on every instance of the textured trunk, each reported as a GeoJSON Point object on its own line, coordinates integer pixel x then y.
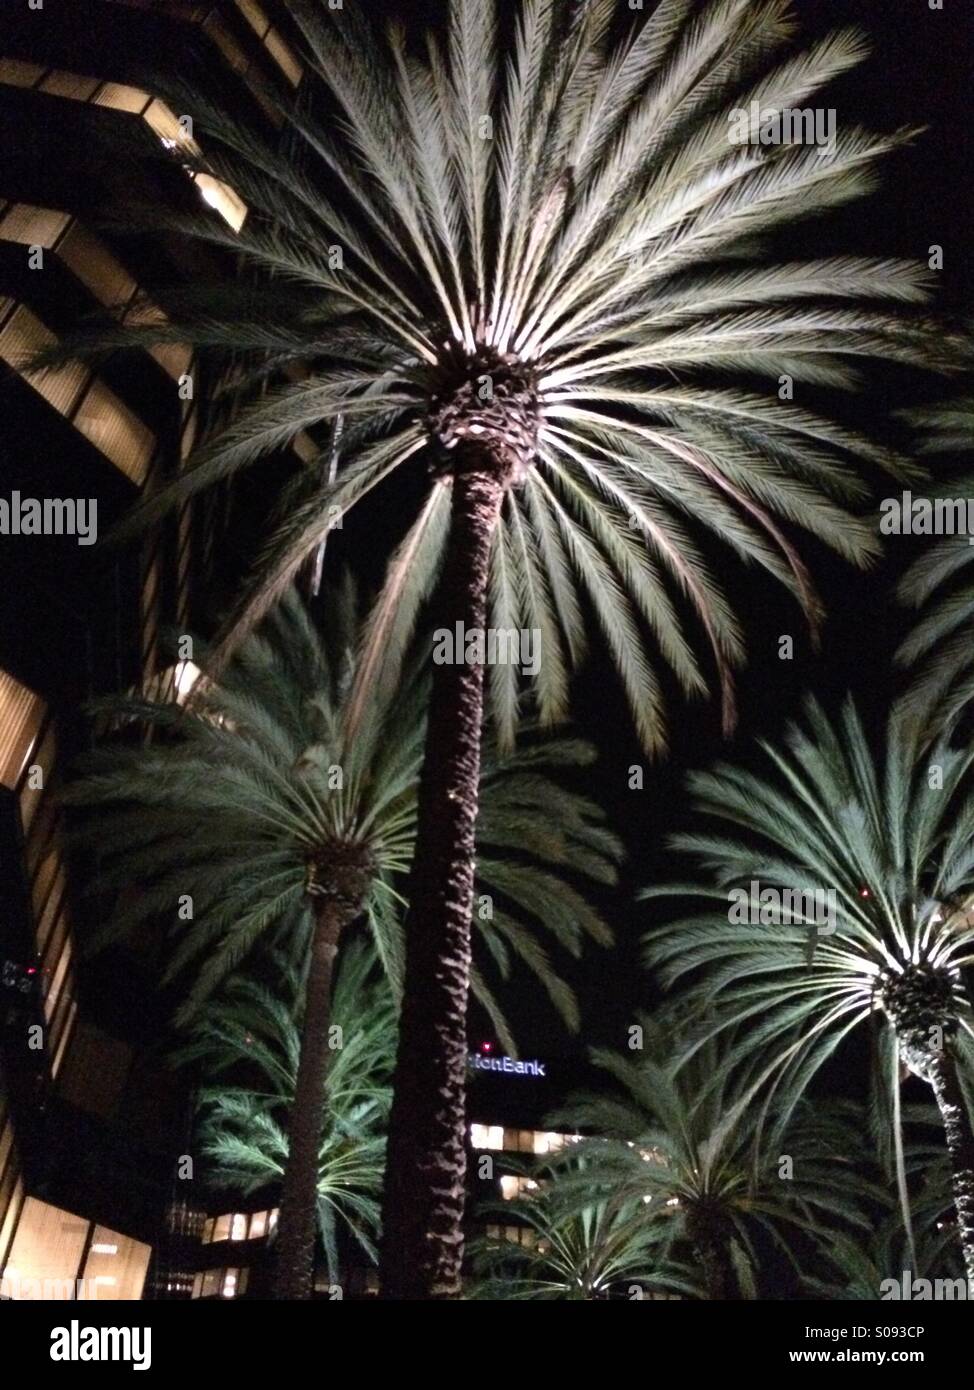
{"type": "Point", "coordinates": [960, 1147]}
{"type": "Point", "coordinates": [297, 1226]}
{"type": "Point", "coordinates": [426, 1158]}
{"type": "Point", "coordinates": [711, 1250]}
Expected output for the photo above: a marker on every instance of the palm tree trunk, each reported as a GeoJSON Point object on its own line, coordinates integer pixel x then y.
{"type": "Point", "coordinates": [426, 1157]}
{"type": "Point", "coordinates": [960, 1147]}
{"type": "Point", "coordinates": [297, 1226]}
{"type": "Point", "coordinates": [710, 1249]}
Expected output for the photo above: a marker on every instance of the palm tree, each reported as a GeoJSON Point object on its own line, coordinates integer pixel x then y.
{"type": "Point", "coordinates": [925, 1247]}
{"type": "Point", "coordinates": [524, 282]}
{"type": "Point", "coordinates": [572, 1247]}
{"type": "Point", "coordinates": [264, 814]}
{"type": "Point", "coordinates": [682, 1138]}
{"type": "Point", "coordinates": [252, 1031]}
{"type": "Point", "coordinates": [939, 652]}
{"type": "Point", "coordinates": [890, 838]}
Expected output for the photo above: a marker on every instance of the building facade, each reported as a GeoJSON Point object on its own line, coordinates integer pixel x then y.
{"type": "Point", "coordinates": [92, 1118]}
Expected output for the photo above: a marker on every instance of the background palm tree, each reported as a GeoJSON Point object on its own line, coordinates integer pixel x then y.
{"type": "Point", "coordinates": [278, 821]}
{"type": "Point", "coordinates": [246, 1042]}
{"type": "Point", "coordinates": [576, 1243]}
{"type": "Point", "coordinates": [705, 1162]}
{"type": "Point", "coordinates": [891, 834]}
{"type": "Point", "coordinates": [939, 652]}
{"type": "Point", "coordinates": [538, 279]}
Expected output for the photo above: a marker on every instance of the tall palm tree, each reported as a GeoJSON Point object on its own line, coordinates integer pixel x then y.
{"type": "Point", "coordinates": [264, 814]}
{"type": "Point", "coordinates": [525, 281]}
{"type": "Point", "coordinates": [246, 1042]}
{"type": "Point", "coordinates": [939, 652]}
{"type": "Point", "coordinates": [682, 1137]}
{"type": "Point", "coordinates": [890, 834]}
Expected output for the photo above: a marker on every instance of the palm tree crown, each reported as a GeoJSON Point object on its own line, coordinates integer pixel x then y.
{"type": "Point", "coordinates": [548, 266]}
{"type": "Point", "coordinates": [246, 1042]}
{"type": "Point", "coordinates": [891, 841]}
{"type": "Point", "coordinates": [690, 1144]}
{"type": "Point", "coordinates": [260, 803]}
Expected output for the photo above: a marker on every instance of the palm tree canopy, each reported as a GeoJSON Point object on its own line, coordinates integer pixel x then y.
{"type": "Point", "coordinates": [939, 651]}
{"type": "Point", "coordinates": [887, 837]}
{"type": "Point", "coordinates": [254, 1028]}
{"type": "Point", "coordinates": [258, 794]}
{"type": "Point", "coordinates": [553, 255]}
{"type": "Point", "coordinates": [576, 1243]}
{"type": "Point", "coordinates": [687, 1140]}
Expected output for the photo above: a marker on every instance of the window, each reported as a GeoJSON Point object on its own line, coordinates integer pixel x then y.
{"type": "Point", "coordinates": [238, 1227]}
{"type": "Point", "coordinates": [258, 1225]}
{"type": "Point", "coordinates": [487, 1136]}
{"type": "Point", "coordinates": [115, 1267]}
{"type": "Point", "coordinates": [21, 336]}
{"type": "Point", "coordinates": [283, 57]}
{"type": "Point", "coordinates": [21, 715]}
{"type": "Point", "coordinates": [14, 73]}
{"type": "Point", "coordinates": [115, 431]}
{"type": "Point", "coordinates": [223, 199]}
{"type": "Point", "coordinates": [70, 85]}
{"type": "Point", "coordinates": [121, 98]}
{"type": "Point", "coordinates": [95, 266]}
{"type": "Point", "coordinates": [515, 1186]}
{"type": "Point", "coordinates": [31, 225]}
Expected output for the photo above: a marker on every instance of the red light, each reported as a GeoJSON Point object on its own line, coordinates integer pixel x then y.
{"type": "Point", "coordinates": [864, 892]}
{"type": "Point", "coordinates": [32, 970]}
{"type": "Point", "coordinates": [486, 1047]}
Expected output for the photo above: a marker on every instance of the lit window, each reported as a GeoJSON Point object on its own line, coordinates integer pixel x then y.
{"type": "Point", "coordinates": [221, 1228]}
{"type": "Point", "coordinates": [30, 225]}
{"type": "Point", "coordinates": [258, 1225]}
{"type": "Point", "coordinates": [21, 713]}
{"type": "Point", "coordinates": [208, 1231]}
{"type": "Point", "coordinates": [22, 335]}
{"type": "Point", "coordinates": [95, 266]}
{"type": "Point", "coordinates": [17, 74]}
{"type": "Point", "coordinates": [254, 16]}
{"type": "Point", "coordinates": [222, 198]}
{"type": "Point", "coordinates": [122, 98]}
{"type": "Point", "coordinates": [283, 57]}
{"type": "Point", "coordinates": [229, 1289]}
{"type": "Point", "coordinates": [238, 1227]}
{"type": "Point", "coordinates": [487, 1136]}
{"type": "Point", "coordinates": [70, 85]}
{"type": "Point", "coordinates": [513, 1186]}
{"type": "Point", "coordinates": [116, 431]}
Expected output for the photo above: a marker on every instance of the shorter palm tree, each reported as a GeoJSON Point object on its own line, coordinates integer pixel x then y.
{"type": "Point", "coordinates": [891, 839]}
{"type": "Point", "coordinates": [252, 1032]}
{"type": "Point", "coordinates": [262, 814]}
{"type": "Point", "coordinates": [575, 1247]}
{"type": "Point", "coordinates": [717, 1173]}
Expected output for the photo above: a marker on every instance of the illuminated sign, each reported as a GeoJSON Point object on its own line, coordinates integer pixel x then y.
{"type": "Point", "coordinates": [508, 1065]}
